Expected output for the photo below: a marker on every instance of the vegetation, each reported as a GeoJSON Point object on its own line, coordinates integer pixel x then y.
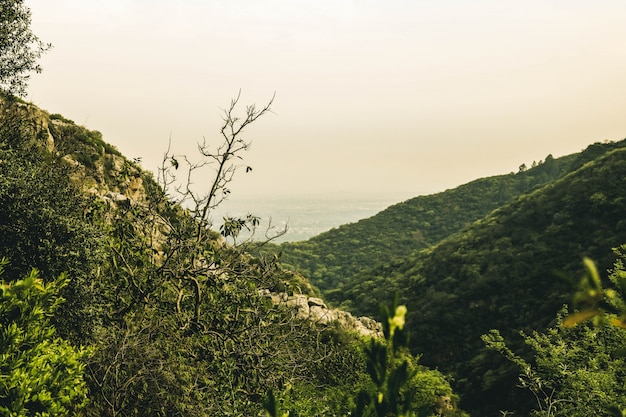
{"type": "Point", "coordinates": [165, 316]}
{"type": "Point", "coordinates": [177, 321]}
{"type": "Point", "coordinates": [499, 272]}
{"type": "Point", "coordinates": [395, 385]}
{"type": "Point", "coordinates": [42, 223]}
{"type": "Point", "coordinates": [40, 373]}
{"type": "Point", "coordinates": [19, 47]}
{"type": "Point", "coordinates": [570, 371]}
{"type": "Point", "coordinates": [333, 258]}
{"type": "Point", "coordinates": [577, 367]}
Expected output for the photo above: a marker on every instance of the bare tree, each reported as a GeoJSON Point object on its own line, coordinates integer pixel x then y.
{"type": "Point", "coordinates": [189, 306]}
{"type": "Point", "coordinates": [222, 159]}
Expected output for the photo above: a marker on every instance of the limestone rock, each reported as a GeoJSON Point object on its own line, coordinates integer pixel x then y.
{"type": "Point", "coordinates": [321, 315]}
{"type": "Point", "coordinates": [313, 301]}
{"type": "Point", "coordinates": [316, 310]}
{"type": "Point", "coordinates": [300, 304]}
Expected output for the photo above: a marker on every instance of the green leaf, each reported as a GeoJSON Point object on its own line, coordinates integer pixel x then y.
{"type": "Point", "coordinates": [580, 316]}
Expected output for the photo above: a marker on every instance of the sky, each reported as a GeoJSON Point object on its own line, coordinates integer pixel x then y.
{"type": "Point", "coordinates": [373, 97]}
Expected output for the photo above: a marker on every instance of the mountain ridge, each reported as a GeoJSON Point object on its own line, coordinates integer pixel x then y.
{"type": "Point", "coordinates": [331, 258]}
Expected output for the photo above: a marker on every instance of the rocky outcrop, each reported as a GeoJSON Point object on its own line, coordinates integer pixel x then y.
{"type": "Point", "coordinates": [97, 167]}
{"type": "Point", "coordinates": [316, 310]}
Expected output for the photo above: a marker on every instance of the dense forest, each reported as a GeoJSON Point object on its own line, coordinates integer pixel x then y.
{"type": "Point", "coordinates": [332, 258]}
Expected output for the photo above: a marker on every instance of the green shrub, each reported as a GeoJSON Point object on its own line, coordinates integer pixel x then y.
{"type": "Point", "coordinates": [40, 373]}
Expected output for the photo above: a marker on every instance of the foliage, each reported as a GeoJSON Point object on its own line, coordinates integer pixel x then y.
{"type": "Point", "coordinates": [388, 369]}
{"type": "Point", "coordinates": [180, 321]}
{"type": "Point", "coordinates": [19, 47]}
{"type": "Point", "coordinates": [601, 304]}
{"type": "Point", "coordinates": [603, 307]}
{"type": "Point", "coordinates": [391, 383]}
{"type": "Point", "coordinates": [42, 223]}
{"type": "Point", "coordinates": [570, 371]}
{"type": "Point", "coordinates": [40, 373]}
{"type": "Point", "coordinates": [86, 146]}
{"type": "Point", "coordinates": [399, 386]}
{"type": "Point", "coordinates": [188, 328]}
{"type": "Point", "coordinates": [175, 315]}
{"type": "Point", "coordinates": [499, 273]}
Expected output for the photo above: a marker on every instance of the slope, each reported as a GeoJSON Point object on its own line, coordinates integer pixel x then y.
{"type": "Point", "coordinates": [177, 321]}
{"type": "Point", "coordinates": [499, 273]}
{"type": "Point", "coordinates": [331, 258]}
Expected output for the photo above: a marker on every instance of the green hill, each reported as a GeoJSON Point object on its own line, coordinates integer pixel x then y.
{"type": "Point", "coordinates": [499, 273]}
{"type": "Point", "coordinates": [332, 258]}
{"type": "Point", "coordinates": [174, 321]}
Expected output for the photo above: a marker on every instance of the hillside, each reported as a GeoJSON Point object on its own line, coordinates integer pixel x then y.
{"type": "Point", "coordinates": [147, 310]}
{"type": "Point", "coordinates": [499, 273]}
{"type": "Point", "coordinates": [332, 258]}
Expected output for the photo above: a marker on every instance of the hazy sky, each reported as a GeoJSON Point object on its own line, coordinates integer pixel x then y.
{"type": "Point", "coordinates": [372, 96]}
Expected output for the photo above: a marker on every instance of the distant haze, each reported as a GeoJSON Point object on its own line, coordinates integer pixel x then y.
{"type": "Point", "coordinates": [298, 217]}
{"type": "Point", "coordinates": [372, 97]}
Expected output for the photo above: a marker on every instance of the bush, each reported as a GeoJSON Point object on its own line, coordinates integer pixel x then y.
{"type": "Point", "coordinates": [40, 373]}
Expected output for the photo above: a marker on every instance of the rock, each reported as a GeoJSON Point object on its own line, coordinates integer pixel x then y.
{"type": "Point", "coordinates": [316, 310]}
{"type": "Point", "coordinates": [135, 188]}
{"type": "Point", "coordinates": [321, 315]}
{"type": "Point", "coordinates": [118, 199]}
{"type": "Point", "coordinates": [370, 323]}
{"type": "Point", "coordinates": [279, 298]}
{"type": "Point", "coordinates": [71, 161]}
{"type": "Point", "coordinates": [299, 302]}
{"type": "Point", "coordinates": [313, 301]}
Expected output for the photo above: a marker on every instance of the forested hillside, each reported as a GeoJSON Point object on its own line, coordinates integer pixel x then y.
{"type": "Point", "coordinates": [332, 258]}
{"type": "Point", "coordinates": [500, 273]}
{"type": "Point", "coordinates": [146, 309]}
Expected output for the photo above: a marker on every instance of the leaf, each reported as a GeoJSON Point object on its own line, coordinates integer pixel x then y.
{"type": "Point", "coordinates": [363, 399]}
{"type": "Point", "coordinates": [590, 266]}
{"type": "Point", "coordinates": [269, 404]}
{"type": "Point", "coordinates": [580, 316]}
{"type": "Point", "coordinates": [620, 322]}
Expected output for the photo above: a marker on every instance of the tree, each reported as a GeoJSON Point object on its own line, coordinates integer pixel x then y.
{"type": "Point", "coordinates": [574, 372]}
{"type": "Point", "coordinates": [190, 328]}
{"type": "Point", "coordinates": [600, 304]}
{"type": "Point", "coordinates": [393, 384]}
{"type": "Point", "coordinates": [42, 223]}
{"type": "Point", "coordinates": [20, 48]}
{"type": "Point", "coordinates": [577, 367]}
